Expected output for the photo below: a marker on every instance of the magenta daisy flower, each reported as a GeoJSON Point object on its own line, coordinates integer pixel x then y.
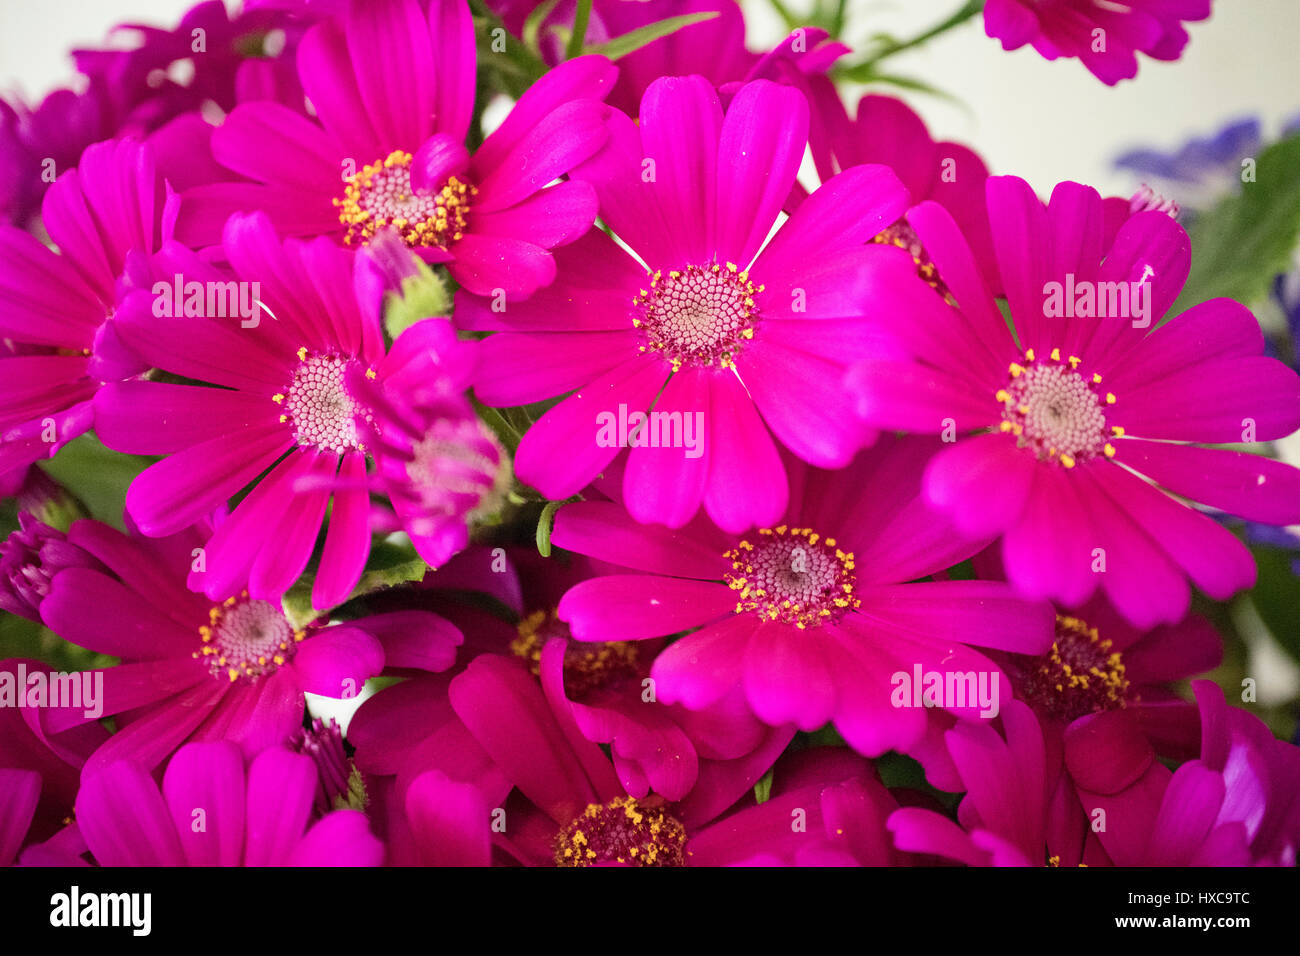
{"type": "Point", "coordinates": [810, 616]}
{"type": "Point", "coordinates": [193, 669]}
{"type": "Point", "coordinates": [60, 344]}
{"type": "Point", "coordinates": [605, 690]}
{"type": "Point", "coordinates": [722, 336]}
{"type": "Point", "coordinates": [288, 407]}
{"type": "Point", "coordinates": [1105, 37]}
{"type": "Point", "coordinates": [255, 814]}
{"type": "Point", "coordinates": [1087, 390]}
{"type": "Point", "coordinates": [393, 90]}
{"type": "Point", "coordinates": [569, 809]}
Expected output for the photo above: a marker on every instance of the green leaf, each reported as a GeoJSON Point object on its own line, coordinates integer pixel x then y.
{"type": "Point", "coordinates": [97, 476]}
{"type": "Point", "coordinates": [581, 18]}
{"type": "Point", "coordinates": [1247, 239]}
{"type": "Point", "coordinates": [1276, 596]}
{"type": "Point", "coordinates": [544, 524]}
{"type": "Point", "coordinates": [621, 46]}
{"type": "Point", "coordinates": [763, 789]}
{"type": "Point", "coordinates": [389, 565]}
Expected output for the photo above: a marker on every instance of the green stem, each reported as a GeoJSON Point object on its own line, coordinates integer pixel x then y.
{"type": "Point", "coordinates": [971, 8]}
{"type": "Point", "coordinates": [579, 35]}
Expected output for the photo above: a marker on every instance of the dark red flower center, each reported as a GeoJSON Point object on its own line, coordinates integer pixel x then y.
{"type": "Point", "coordinates": [1080, 675]}
{"type": "Point", "coordinates": [622, 831]}
{"type": "Point", "coordinates": [380, 195]}
{"type": "Point", "coordinates": [586, 666]}
{"type": "Point", "coordinates": [792, 575]}
{"type": "Point", "coordinates": [699, 315]}
{"type": "Point", "coordinates": [903, 236]}
{"type": "Point", "coordinates": [245, 639]}
{"type": "Point", "coordinates": [1056, 411]}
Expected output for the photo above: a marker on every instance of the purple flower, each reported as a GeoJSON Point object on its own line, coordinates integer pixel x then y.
{"type": "Point", "coordinates": [29, 559]}
{"type": "Point", "coordinates": [704, 321]}
{"type": "Point", "coordinates": [1083, 394]}
{"type": "Point", "coordinates": [387, 149]}
{"type": "Point", "coordinates": [132, 89]}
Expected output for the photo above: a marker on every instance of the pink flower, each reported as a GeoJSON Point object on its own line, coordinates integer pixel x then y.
{"type": "Point", "coordinates": [1105, 37]}
{"type": "Point", "coordinates": [810, 615]}
{"type": "Point", "coordinates": [734, 337]}
{"type": "Point", "coordinates": [194, 669]}
{"type": "Point", "coordinates": [392, 85]}
{"type": "Point", "coordinates": [1085, 392]}
{"type": "Point", "coordinates": [254, 814]}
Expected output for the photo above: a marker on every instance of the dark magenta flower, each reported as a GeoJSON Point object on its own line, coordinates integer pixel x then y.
{"type": "Point", "coordinates": [602, 690]}
{"type": "Point", "coordinates": [253, 813]}
{"type": "Point", "coordinates": [1163, 818]}
{"type": "Point", "coordinates": [810, 616]}
{"type": "Point", "coordinates": [56, 309]}
{"type": "Point", "coordinates": [1105, 37]}
{"type": "Point", "coordinates": [29, 559]}
{"type": "Point", "coordinates": [569, 809]}
{"type": "Point", "coordinates": [1233, 806]}
{"type": "Point", "coordinates": [393, 90]}
{"type": "Point", "coordinates": [1088, 389]}
{"type": "Point", "coordinates": [723, 335]}
{"type": "Point", "coordinates": [194, 669]}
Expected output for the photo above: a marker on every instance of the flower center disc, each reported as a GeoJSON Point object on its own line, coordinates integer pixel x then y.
{"type": "Point", "coordinates": [700, 315]}
{"type": "Point", "coordinates": [321, 407]}
{"type": "Point", "coordinates": [244, 640]}
{"type": "Point", "coordinates": [586, 666]}
{"type": "Point", "coordinates": [622, 831]}
{"type": "Point", "coordinates": [792, 575]}
{"type": "Point", "coordinates": [380, 195]}
{"type": "Point", "coordinates": [1080, 675]}
{"type": "Point", "coordinates": [1056, 411]}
